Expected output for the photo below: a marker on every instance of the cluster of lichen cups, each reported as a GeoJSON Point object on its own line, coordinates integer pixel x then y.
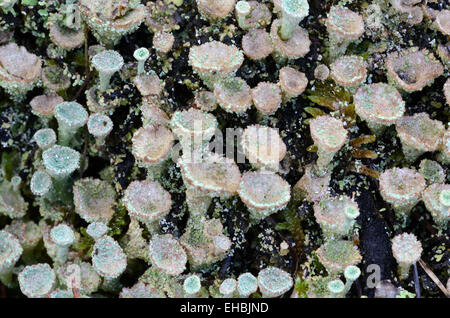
{"type": "Point", "coordinates": [207, 175]}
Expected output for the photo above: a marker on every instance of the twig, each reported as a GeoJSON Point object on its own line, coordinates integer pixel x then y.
{"type": "Point", "coordinates": [83, 157]}
{"type": "Point", "coordinates": [434, 278]}
{"type": "Point", "coordinates": [86, 63]}
{"type": "Point", "coordinates": [2, 291]}
{"type": "Point", "coordinates": [416, 280]}
{"type": "Point", "coordinates": [86, 48]}
{"type": "Point", "coordinates": [82, 88]}
{"type": "Point", "coordinates": [75, 290]}
{"type": "Point", "coordinates": [86, 81]}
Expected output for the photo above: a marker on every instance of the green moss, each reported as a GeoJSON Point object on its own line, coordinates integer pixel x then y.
{"type": "Point", "coordinates": [301, 287]}
{"type": "Point", "coordinates": [55, 74]}
{"type": "Point", "coordinates": [119, 222]}
{"type": "Point", "coordinates": [293, 224]}
{"type": "Point", "coordinates": [314, 111]}
{"type": "Point", "coordinates": [10, 162]}
{"type": "Point", "coordinates": [405, 294]}
{"type": "Point", "coordinates": [317, 265]}
{"type": "Point", "coordinates": [84, 244]}
{"type": "Point", "coordinates": [329, 95]}
{"type": "Point", "coordinates": [29, 3]}
{"type": "Point", "coordinates": [361, 49]}
{"type": "Point", "coordinates": [196, 234]}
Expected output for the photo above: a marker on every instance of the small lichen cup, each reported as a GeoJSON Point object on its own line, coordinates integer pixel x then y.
{"type": "Point", "coordinates": [70, 116]}
{"type": "Point", "coordinates": [63, 236]}
{"type": "Point", "coordinates": [107, 63]}
{"type": "Point", "coordinates": [60, 162]}
{"type": "Point", "coordinates": [141, 55]}
{"type": "Point", "coordinates": [292, 13]}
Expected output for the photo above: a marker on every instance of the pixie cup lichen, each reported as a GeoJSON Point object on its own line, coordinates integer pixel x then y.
{"type": "Point", "coordinates": [437, 201]}
{"type": "Point", "coordinates": [292, 83]}
{"type": "Point", "coordinates": [10, 252]}
{"type": "Point", "coordinates": [442, 22]}
{"type": "Point", "coordinates": [29, 236]}
{"type": "Point", "coordinates": [45, 138]}
{"type": "Point", "coordinates": [12, 203]}
{"type": "Point", "coordinates": [141, 55]}
{"type": "Point", "coordinates": [192, 285]}
{"type": "Point", "coordinates": [257, 44]}
{"type": "Point", "coordinates": [148, 202]}
{"type": "Point", "coordinates": [242, 9]}
{"type": "Point", "coordinates": [263, 147]}
{"type": "Point", "coordinates": [380, 105]}
{"type": "Point", "coordinates": [97, 230]}
{"type": "Point", "coordinates": [70, 116]}
{"type": "Point", "coordinates": [293, 48]}
{"type": "Point", "coordinates": [204, 242]}
{"type": "Point", "coordinates": [329, 135]}
{"type": "Point", "coordinates": [312, 186]}
{"type": "Point", "coordinates": [266, 98]}
{"type": "Point", "coordinates": [141, 290]}
{"type": "Point", "coordinates": [419, 134]}
{"type": "Point", "coordinates": [214, 61]}
{"type": "Point", "coordinates": [264, 193]}
{"type": "Point", "coordinates": [224, 149]}
{"type": "Point", "coordinates": [336, 255]}
{"type": "Point", "coordinates": [247, 284]}
{"type": "Point", "coordinates": [214, 10]}
{"type": "Point", "coordinates": [151, 147]}
{"type": "Point", "coordinates": [167, 254]}
{"type": "Point", "coordinates": [292, 13]}
{"type": "Point", "coordinates": [110, 20]}
{"type": "Point", "coordinates": [351, 273]}
{"type": "Point", "coordinates": [94, 200]}
{"type": "Point", "coordinates": [193, 128]}
{"type": "Point", "coordinates": [407, 250]}
{"type": "Point", "coordinates": [208, 177]}
{"type": "Point", "coordinates": [109, 261]}
{"type": "Point", "coordinates": [274, 282]}
{"type": "Point", "coordinates": [60, 161]}
{"type": "Point", "coordinates": [336, 216]}
{"type": "Point", "coordinates": [412, 69]}
{"type": "Point", "coordinates": [37, 281]}
{"type": "Point", "coordinates": [19, 70]}
{"type": "Point", "coordinates": [163, 43]}
{"type": "Point", "coordinates": [408, 10]}
{"type": "Point", "coordinates": [336, 288]}
{"type": "Point", "coordinates": [107, 63]}
{"type": "Point", "coordinates": [63, 236]}
{"type": "Point", "coordinates": [348, 71]}
{"type": "Point", "coordinates": [44, 106]}
{"type": "Point", "coordinates": [444, 154]}
{"type": "Point", "coordinates": [228, 287]}
{"type": "Point", "coordinates": [41, 183]}
{"type": "Point", "coordinates": [432, 171]}
{"type": "Point", "coordinates": [344, 27]}
{"type": "Point", "coordinates": [402, 187]}
{"type": "Point", "coordinates": [99, 126]}
{"type": "Point", "coordinates": [233, 95]}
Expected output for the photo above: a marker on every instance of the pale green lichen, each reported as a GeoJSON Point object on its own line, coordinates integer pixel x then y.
{"type": "Point", "coordinates": [292, 12]}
